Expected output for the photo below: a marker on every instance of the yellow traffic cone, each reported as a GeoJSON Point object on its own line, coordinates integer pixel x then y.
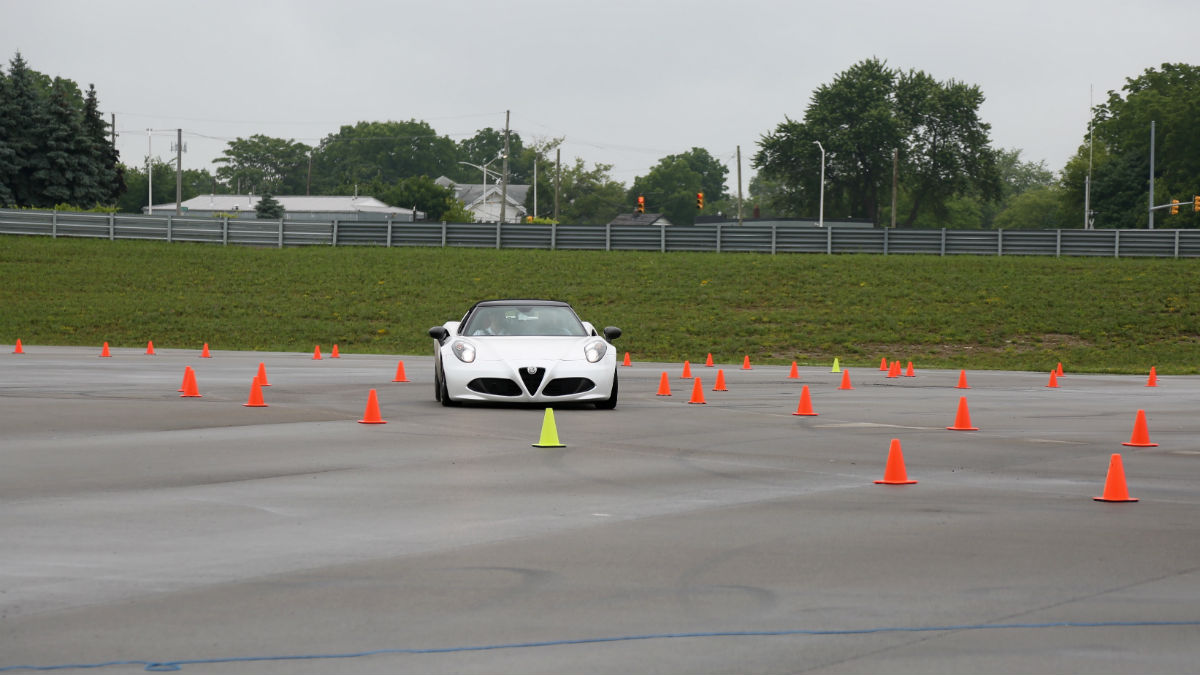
{"type": "Point", "coordinates": [549, 437]}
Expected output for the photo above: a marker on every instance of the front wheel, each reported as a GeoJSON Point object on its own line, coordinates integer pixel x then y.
{"type": "Point", "coordinates": [444, 395]}
{"type": "Point", "coordinates": [610, 402]}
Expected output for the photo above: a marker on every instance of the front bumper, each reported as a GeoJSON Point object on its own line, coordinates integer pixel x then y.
{"type": "Point", "coordinates": [551, 381]}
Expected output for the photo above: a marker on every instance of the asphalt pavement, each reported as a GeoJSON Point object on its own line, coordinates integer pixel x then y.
{"type": "Point", "coordinates": [731, 536]}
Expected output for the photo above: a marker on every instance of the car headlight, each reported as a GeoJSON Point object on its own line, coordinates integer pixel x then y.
{"type": "Point", "coordinates": [465, 351]}
{"type": "Point", "coordinates": [594, 351]}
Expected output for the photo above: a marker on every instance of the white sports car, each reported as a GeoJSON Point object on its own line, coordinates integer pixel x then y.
{"type": "Point", "coordinates": [524, 351]}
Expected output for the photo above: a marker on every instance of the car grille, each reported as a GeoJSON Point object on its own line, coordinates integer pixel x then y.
{"type": "Point", "coordinates": [496, 386]}
{"type": "Point", "coordinates": [532, 380]}
{"type": "Point", "coordinates": [568, 385]}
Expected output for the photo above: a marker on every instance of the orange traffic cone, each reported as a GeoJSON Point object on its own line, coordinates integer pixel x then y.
{"type": "Point", "coordinates": [1059, 373]}
{"type": "Point", "coordinates": [190, 389]}
{"type": "Point", "coordinates": [371, 415]}
{"type": "Point", "coordinates": [805, 407]}
{"type": "Point", "coordinates": [204, 352]}
{"type": "Point", "coordinates": [262, 375]}
{"type": "Point", "coordinates": [256, 398]}
{"type": "Point", "coordinates": [1152, 381]}
{"type": "Point", "coordinates": [664, 387]}
{"type": "Point", "coordinates": [910, 372]}
{"type": "Point", "coordinates": [746, 363]}
{"type": "Point", "coordinates": [334, 354]}
{"type": "Point", "coordinates": [1115, 489]}
{"type": "Point", "coordinates": [183, 385]}
{"type": "Point", "coordinates": [883, 364]}
{"type": "Point", "coordinates": [962, 421]}
{"type": "Point", "coordinates": [894, 473]}
{"type": "Point", "coordinates": [1141, 434]}
{"type": "Point", "coordinates": [697, 392]}
{"type": "Point", "coordinates": [894, 369]}
{"type": "Point", "coordinates": [962, 380]}
{"type": "Point", "coordinates": [1053, 383]}
{"type": "Point", "coordinates": [317, 353]}
{"type": "Point", "coordinates": [400, 377]}
{"type": "Point", "coordinates": [845, 380]}
{"type": "Point", "coordinates": [708, 362]}
{"type": "Point", "coordinates": [627, 362]}
{"type": "Point", "coordinates": [687, 370]}
{"type": "Point", "coordinates": [150, 348]}
{"type": "Point", "coordinates": [19, 349]}
{"type": "Point", "coordinates": [104, 353]}
{"type": "Point", "coordinates": [720, 385]}
{"type": "Point", "coordinates": [794, 374]}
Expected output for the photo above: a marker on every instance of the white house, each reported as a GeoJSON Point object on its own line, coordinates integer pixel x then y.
{"type": "Point", "coordinates": [295, 208]}
{"type": "Point", "coordinates": [483, 201]}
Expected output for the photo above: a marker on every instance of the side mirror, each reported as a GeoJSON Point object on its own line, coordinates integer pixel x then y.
{"type": "Point", "coordinates": [611, 333]}
{"type": "Point", "coordinates": [439, 333]}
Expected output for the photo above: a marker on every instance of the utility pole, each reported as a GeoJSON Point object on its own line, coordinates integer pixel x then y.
{"type": "Point", "coordinates": [739, 160]}
{"type": "Point", "coordinates": [149, 175]}
{"type": "Point", "coordinates": [895, 181]}
{"type": "Point", "coordinates": [535, 163]}
{"type": "Point", "coordinates": [504, 176]}
{"type": "Point", "coordinates": [557, 179]}
{"type": "Point", "coordinates": [178, 171]}
{"type": "Point", "coordinates": [1151, 174]}
{"type": "Point", "coordinates": [1087, 185]}
{"type": "Point", "coordinates": [308, 181]}
{"type": "Point", "coordinates": [114, 131]}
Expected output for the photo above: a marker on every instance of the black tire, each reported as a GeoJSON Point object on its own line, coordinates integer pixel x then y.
{"type": "Point", "coordinates": [610, 402]}
{"type": "Point", "coordinates": [444, 396]}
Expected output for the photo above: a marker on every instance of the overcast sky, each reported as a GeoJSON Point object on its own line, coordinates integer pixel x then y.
{"type": "Point", "coordinates": [625, 82]}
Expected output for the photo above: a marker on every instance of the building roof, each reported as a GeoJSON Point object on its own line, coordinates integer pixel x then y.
{"type": "Point", "coordinates": [290, 203]}
{"type": "Point", "coordinates": [473, 193]}
{"type": "Point", "coordinates": [640, 219]}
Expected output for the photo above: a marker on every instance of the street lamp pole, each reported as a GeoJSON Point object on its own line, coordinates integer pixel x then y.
{"type": "Point", "coordinates": [821, 215]}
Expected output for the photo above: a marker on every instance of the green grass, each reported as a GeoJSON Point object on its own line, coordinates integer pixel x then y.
{"type": "Point", "coordinates": [1021, 313]}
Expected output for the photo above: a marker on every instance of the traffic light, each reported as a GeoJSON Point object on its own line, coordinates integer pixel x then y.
{"type": "Point", "coordinates": [700, 200]}
{"type": "Point", "coordinates": [641, 205]}
{"type": "Point", "coordinates": [1196, 204]}
{"type": "Point", "coordinates": [1174, 206]}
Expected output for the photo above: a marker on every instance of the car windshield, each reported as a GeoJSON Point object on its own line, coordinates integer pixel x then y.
{"type": "Point", "coordinates": [539, 320]}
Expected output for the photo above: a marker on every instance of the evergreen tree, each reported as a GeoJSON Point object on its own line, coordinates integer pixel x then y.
{"type": "Point", "coordinates": [21, 110]}
{"type": "Point", "coordinates": [62, 173]}
{"type": "Point", "coordinates": [8, 157]}
{"type": "Point", "coordinates": [105, 160]}
{"type": "Point", "coordinates": [269, 208]}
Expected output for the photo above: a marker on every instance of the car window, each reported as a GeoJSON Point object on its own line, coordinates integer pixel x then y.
{"type": "Point", "coordinates": [528, 320]}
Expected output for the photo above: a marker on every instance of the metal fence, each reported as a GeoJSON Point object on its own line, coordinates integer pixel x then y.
{"type": "Point", "coordinates": [773, 238]}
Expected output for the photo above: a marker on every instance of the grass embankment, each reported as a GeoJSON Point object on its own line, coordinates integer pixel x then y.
{"type": "Point", "coordinates": [955, 312]}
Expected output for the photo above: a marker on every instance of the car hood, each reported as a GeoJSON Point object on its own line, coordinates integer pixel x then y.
{"type": "Point", "coordinates": [503, 348]}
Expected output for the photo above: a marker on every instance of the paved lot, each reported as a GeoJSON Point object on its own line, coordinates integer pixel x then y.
{"type": "Point", "coordinates": [139, 525]}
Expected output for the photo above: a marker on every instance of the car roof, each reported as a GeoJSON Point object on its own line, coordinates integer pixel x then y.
{"type": "Point", "coordinates": [523, 303]}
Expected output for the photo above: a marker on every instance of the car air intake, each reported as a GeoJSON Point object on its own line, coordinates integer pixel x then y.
{"type": "Point", "coordinates": [496, 386]}
{"type": "Point", "coordinates": [564, 386]}
{"type": "Point", "coordinates": [533, 379]}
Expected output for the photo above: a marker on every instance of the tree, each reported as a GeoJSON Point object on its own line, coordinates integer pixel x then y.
{"type": "Point", "coordinates": [110, 177]}
{"type": "Point", "coordinates": [487, 145]}
{"type": "Point", "coordinates": [422, 194]}
{"type": "Point", "coordinates": [61, 171]}
{"type": "Point", "coordinates": [384, 151]}
{"type": "Point", "coordinates": [1120, 187]}
{"type": "Point", "coordinates": [268, 208]}
{"type": "Point", "coordinates": [195, 182]}
{"type": "Point", "coordinates": [1035, 209]}
{"type": "Point", "coordinates": [263, 164]}
{"type": "Point", "coordinates": [22, 110]}
{"type": "Point", "coordinates": [865, 113]}
{"type": "Point", "coordinates": [589, 196]}
{"type": "Point", "coordinates": [53, 143]}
